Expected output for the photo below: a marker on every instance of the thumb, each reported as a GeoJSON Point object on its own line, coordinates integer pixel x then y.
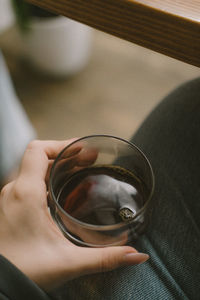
{"type": "Point", "coordinates": [105, 259]}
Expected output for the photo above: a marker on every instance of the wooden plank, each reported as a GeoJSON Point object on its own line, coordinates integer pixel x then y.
{"type": "Point", "coordinates": [171, 27]}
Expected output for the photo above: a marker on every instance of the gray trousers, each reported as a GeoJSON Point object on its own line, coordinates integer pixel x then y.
{"type": "Point", "coordinates": [170, 137]}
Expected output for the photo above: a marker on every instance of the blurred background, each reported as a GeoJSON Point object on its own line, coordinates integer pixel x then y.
{"type": "Point", "coordinates": [91, 83]}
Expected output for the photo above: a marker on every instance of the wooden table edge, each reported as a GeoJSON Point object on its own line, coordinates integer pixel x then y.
{"type": "Point", "coordinates": [160, 30]}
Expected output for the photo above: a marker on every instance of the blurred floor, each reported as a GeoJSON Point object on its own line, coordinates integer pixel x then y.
{"type": "Point", "coordinates": [113, 94]}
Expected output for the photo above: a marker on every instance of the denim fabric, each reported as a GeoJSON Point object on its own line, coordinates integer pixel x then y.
{"type": "Point", "coordinates": [15, 285]}
{"type": "Point", "coordinates": [170, 137]}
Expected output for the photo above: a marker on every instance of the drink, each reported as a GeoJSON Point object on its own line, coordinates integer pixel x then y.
{"type": "Point", "coordinates": [102, 195]}
{"type": "Point", "coordinates": [93, 198]}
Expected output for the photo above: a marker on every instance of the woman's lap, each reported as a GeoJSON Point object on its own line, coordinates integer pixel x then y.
{"type": "Point", "coordinates": [170, 138]}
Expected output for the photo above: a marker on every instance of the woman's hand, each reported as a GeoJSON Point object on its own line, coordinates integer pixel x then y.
{"type": "Point", "coordinates": [31, 240]}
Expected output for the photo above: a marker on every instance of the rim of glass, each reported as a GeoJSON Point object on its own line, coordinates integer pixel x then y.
{"type": "Point", "coordinates": [92, 226]}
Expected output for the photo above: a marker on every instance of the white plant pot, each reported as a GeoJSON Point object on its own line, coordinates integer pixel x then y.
{"type": "Point", "coordinates": [7, 18]}
{"type": "Point", "coordinates": [58, 46]}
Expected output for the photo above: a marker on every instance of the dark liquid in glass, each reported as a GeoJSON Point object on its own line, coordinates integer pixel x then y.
{"type": "Point", "coordinates": [97, 194]}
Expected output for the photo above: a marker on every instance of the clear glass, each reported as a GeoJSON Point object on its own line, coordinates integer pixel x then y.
{"type": "Point", "coordinates": [99, 191]}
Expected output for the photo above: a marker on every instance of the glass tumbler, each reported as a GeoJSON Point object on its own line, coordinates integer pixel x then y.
{"type": "Point", "coordinates": [99, 191]}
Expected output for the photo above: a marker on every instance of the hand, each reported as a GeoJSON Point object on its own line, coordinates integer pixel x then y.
{"type": "Point", "coordinates": [31, 240]}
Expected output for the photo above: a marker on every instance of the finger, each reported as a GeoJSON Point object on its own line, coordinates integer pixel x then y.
{"type": "Point", "coordinates": [109, 258]}
{"type": "Point", "coordinates": [6, 189]}
{"type": "Point", "coordinates": [80, 158]}
{"type": "Point", "coordinates": [87, 157]}
{"type": "Point", "coordinates": [5, 196]}
{"type": "Point", "coordinates": [73, 160]}
{"type": "Point", "coordinates": [53, 148]}
{"type": "Point", "coordinates": [68, 159]}
{"type": "Point", "coordinates": [36, 158]}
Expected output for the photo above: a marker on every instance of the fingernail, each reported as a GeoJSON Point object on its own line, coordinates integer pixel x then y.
{"type": "Point", "coordinates": [135, 258]}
